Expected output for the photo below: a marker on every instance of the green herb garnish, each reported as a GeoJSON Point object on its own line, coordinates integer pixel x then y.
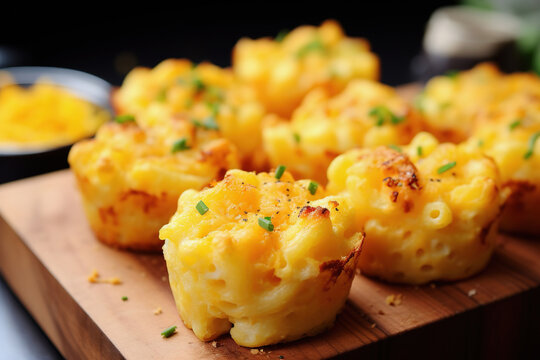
{"type": "Point", "coordinates": [395, 147]}
{"type": "Point", "coordinates": [296, 138]}
{"type": "Point", "coordinates": [514, 124]}
{"type": "Point", "coordinates": [419, 151]}
{"type": "Point", "coordinates": [532, 141]}
{"type": "Point", "coordinates": [208, 123]}
{"type": "Point", "coordinates": [446, 167]}
{"type": "Point", "coordinates": [124, 298]}
{"type": "Point", "coordinates": [279, 171]}
{"type": "Point", "coordinates": [169, 331]}
{"type": "Point", "coordinates": [198, 85]}
{"type": "Point", "coordinates": [201, 207]}
{"type": "Point", "coordinates": [281, 35]}
{"type": "Point", "coordinates": [452, 74]}
{"type": "Point", "coordinates": [315, 45]}
{"type": "Point", "coordinates": [126, 118]}
{"type": "Point", "coordinates": [213, 94]}
{"type": "Point", "coordinates": [481, 143]}
{"type": "Point", "coordinates": [180, 145]}
{"type": "Point", "coordinates": [383, 114]}
{"type": "Point", "coordinates": [214, 108]}
{"type": "Point", "coordinates": [266, 223]}
{"type": "Point", "coordinates": [161, 95]}
{"type": "Point", "coordinates": [312, 187]}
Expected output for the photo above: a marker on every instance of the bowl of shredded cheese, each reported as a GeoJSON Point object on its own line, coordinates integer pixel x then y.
{"type": "Point", "coordinates": [43, 111]}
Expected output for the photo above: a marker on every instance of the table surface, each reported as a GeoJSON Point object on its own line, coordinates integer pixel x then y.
{"type": "Point", "coordinates": [18, 329]}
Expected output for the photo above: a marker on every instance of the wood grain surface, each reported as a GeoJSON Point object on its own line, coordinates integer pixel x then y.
{"type": "Point", "coordinates": [47, 252]}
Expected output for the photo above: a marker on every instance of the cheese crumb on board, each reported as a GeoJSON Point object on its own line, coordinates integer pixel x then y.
{"type": "Point", "coordinates": [112, 281]}
{"type": "Point", "coordinates": [254, 351]}
{"type": "Point", "coordinates": [94, 278]}
{"type": "Point", "coordinates": [394, 300]}
{"type": "Point", "coordinates": [471, 292]}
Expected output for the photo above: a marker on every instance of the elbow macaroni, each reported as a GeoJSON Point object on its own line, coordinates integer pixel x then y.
{"type": "Point", "coordinates": [204, 94]}
{"type": "Point", "coordinates": [282, 72]}
{"type": "Point", "coordinates": [436, 215]}
{"type": "Point", "coordinates": [228, 273]}
{"type": "Point", "coordinates": [365, 114]}
{"type": "Point", "coordinates": [130, 179]}
{"type": "Point", "coordinates": [421, 224]}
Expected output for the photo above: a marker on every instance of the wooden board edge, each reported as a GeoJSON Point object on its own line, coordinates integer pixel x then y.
{"type": "Point", "coordinates": [66, 324]}
{"type": "Point", "coordinates": [504, 329]}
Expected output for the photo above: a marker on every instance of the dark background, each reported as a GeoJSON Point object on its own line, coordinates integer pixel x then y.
{"type": "Point", "coordinates": [108, 42]}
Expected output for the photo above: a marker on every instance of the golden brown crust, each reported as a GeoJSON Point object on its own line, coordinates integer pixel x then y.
{"type": "Point", "coordinates": [346, 265]}
{"type": "Point", "coordinates": [400, 174]}
{"type": "Point", "coordinates": [314, 212]}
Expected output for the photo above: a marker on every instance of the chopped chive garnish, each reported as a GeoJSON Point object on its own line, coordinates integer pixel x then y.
{"type": "Point", "coordinates": [419, 151]}
{"type": "Point", "coordinates": [315, 45]}
{"type": "Point", "coordinates": [214, 107]}
{"type": "Point", "coordinates": [382, 114]}
{"type": "Point", "coordinates": [208, 123]}
{"type": "Point", "coordinates": [396, 119]}
{"type": "Point", "coordinates": [126, 118]}
{"type": "Point", "coordinates": [532, 141]}
{"type": "Point", "coordinates": [266, 223]}
{"type": "Point", "coordinates": [446, 167]}
{"type": "Point", "coordinates": [394, 147]}
{"type": "Point", "coordinates": [279, 171]}
{"type": "Point", "coordinates": [180, 145]}
{"type": "Point", "coordinates": [481, 143]}
{"type": "Point", "coordinates": [296, 138]}
{"type": "Point", "coordinates": [514, 124]}
{"type": "Point", "coordinates": [124, 298]}
{"type": "Point", "coordinates": [452, 74]}
{"type": "Point", "coordinates": [312, 187]}
{"type": "Point", "coordinates": [169, 331]}
{"type": "Point", "coordinates": [162, 95]}
{"type": "Point", "coordinates": [198, 85]}
{"type": "Point", "coordinates": [281, 35]}
{"type": "Point", "coordinates": [201, 207]}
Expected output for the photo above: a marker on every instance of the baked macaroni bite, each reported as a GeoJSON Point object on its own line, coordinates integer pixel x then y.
{"type": "Point", "coordinates": [510, 136]}
{"type": "Point", "coordinates": [365, 114]}
{"type": "Point", "coordinates": [205, 94]}
{"type": "Point", "coordinates": [267, 259]}
{"type": "Point", "coordinates": [283, 70]}
{"type": "Point", "coordinates": [130, 179]}
{"type": "Point", "coordinates": [451, 103]}
{"type": "Point", "coordinates": [429, 210]}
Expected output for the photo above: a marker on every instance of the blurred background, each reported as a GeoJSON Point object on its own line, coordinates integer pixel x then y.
{"type": "Point", "coordinates": [412, 40]}
{"type": "Point", "coordinates": [108, 43]}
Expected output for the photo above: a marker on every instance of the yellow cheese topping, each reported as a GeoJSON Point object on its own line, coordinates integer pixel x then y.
{"type": "Point", "coordinates": [45, 115]}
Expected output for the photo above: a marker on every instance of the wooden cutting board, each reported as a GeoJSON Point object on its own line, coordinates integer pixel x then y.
{"type": "Point", "coordinates": [47, 252]}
